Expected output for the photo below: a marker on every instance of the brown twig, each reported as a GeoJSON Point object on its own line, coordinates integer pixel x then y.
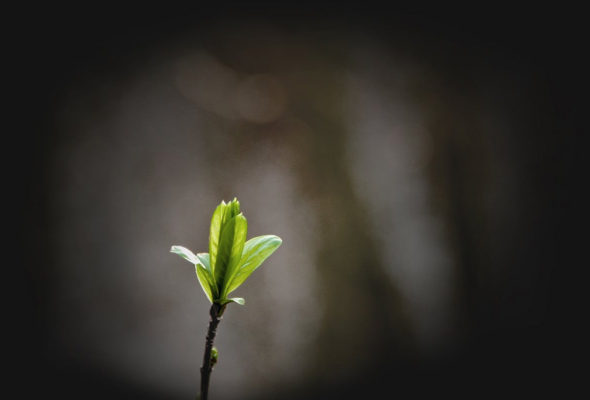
{"type": "Point", "coordinates": [215, 312]}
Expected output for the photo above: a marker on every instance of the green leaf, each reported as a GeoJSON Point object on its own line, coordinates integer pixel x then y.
{"type": "Point", "coordinates": [232, 209]}
{"type": "Point", "coordinates": [185, 253]}
{"type": "Point", "coordinates": [222, 215]}
{"type": "Point", "coordinates": [235, 207]}
{"type": "Point", "coordinates": [256, 250]}
{"type": "Point", "coordinates": [230, 250]}
{"type": "Point", "coordinates": [205, 260]}
{"type": "Point", "coordinates": [238, 300]}
{"type": "Point", "coordinates": [241, 230]}
{"type": "Point", "coordinates": [215, 233]}
{"type": "Point", "coordinates": [206, 281]}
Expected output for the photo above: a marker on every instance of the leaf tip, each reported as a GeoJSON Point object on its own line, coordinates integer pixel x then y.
{"type": "Point", "coordinates": [238, 300]}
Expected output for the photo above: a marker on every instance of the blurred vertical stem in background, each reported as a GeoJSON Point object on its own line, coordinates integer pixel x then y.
{"type": "Point", "coordinates": [349, 260]}
{"type": "Point", "coordinates": [356, 293]}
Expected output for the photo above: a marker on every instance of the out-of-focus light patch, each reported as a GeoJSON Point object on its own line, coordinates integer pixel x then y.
{"type": "Point", "coordinates": [132, 181]}
{"type": "Point", "coordinates": [135, 179]}
{"type": "Point", "coordinates": [204, 80]}
{"type": "Point", "coordinates": [260, 98]}
{"type": "Point", "coordinates": [389, 150]}
{"type": "Point", "coordinates": [277, 326]}
{"type": "Point", "coordinates": [215, 87]}
{"type": "Point", "coordinates": [296, 131]}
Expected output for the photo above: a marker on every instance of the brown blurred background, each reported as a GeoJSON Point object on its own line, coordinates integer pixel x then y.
{"type": "Point", "coordinates": [416, 164]}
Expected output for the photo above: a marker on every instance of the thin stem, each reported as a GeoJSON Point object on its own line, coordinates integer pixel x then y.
{"type": "Point", "coordinates": [215, 312]}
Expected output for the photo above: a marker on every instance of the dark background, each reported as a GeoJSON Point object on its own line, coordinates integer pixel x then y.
{"type": "Point", "coordinates": [518, 328]}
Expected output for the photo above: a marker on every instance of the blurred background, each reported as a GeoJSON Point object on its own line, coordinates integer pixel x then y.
{"type": "Point", "coordinates": [416, 164]}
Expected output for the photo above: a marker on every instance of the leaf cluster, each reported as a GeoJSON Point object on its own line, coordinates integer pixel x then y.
{"type": "Point", "coordinates": [231, 259]}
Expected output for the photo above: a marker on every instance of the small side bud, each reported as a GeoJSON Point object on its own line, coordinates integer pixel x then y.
{"type": "Point", "coordinates": [214, 356]}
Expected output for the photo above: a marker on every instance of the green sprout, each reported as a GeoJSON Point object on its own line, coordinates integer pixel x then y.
{"type": "Point", "coordinates": [230, 261]}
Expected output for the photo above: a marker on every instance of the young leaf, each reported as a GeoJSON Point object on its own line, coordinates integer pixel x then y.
{"type": "Point", "coordinates": [215, 232]}
{"type": "Point", "coordinates": [241, 231]}
{"type": "Point", "coordinates": [205, 260]}
{"type": "Point", "coordinates": [206, 281]}
{"type": "Point", "coordinates": [235, 207]}
{"type": "Point", "coordinates": [231, 210]}
{"type": "Point", "coordinates": [185, 253]}
{"type": "Point", "coordinates": [256, 250]}
{"type": "Point", "coordinates": [238, 300]}
{"type": "Point", "coordinates": [230, 250]}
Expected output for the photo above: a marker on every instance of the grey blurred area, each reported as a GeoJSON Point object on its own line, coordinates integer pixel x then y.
{"type": "Point", "coordinates": [395, 165]}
